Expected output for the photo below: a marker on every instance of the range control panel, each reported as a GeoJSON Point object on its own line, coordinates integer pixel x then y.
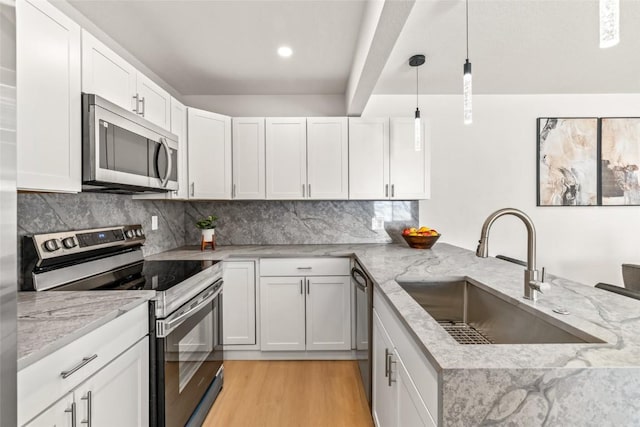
{"type": "Point", "coordinates": [51, 245]}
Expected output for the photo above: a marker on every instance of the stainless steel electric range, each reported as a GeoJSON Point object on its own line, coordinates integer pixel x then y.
{"type": "Point", "coordinates": [186, 315]}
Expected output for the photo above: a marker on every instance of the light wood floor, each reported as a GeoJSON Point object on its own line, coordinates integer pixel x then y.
{"type": "Point", "coordinates": [290, 394]}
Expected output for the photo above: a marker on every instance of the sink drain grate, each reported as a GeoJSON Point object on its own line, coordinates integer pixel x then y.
{"type": "Point", "coordinates": [464, 333]}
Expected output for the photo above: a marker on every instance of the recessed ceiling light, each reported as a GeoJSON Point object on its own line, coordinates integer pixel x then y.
{"type": "Point", "coordinates": [285, 51]}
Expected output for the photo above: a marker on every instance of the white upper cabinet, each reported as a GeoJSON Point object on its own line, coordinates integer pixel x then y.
{"type": "Point", "coordinates": [368, 158]}
{"type": "Point", "coordinates": [327, 158]}
{"type": "Point", "coordinates": [286, 158]}
{"type": "Point", "coordinates": [248, 158]}
{"type": "Point", "coordinates": [408, 168]}
{"type": "Point", "coordinates": [106, 74]}
{"type": "Point", "coordinates": [154, 103]}
{"type": "Point", "coordinates": [209, 139]}
{"type": "Point", "coordinates": [179, 128]}
{"type": "Point", "coordinates": [49, 99]}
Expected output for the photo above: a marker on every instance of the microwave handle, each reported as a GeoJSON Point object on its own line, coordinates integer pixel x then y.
{"type": "Point", "coordinates": [169, 168]}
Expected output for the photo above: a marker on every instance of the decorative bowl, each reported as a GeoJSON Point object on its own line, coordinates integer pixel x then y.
{"type": "Point", "coordinates": [421, 242]}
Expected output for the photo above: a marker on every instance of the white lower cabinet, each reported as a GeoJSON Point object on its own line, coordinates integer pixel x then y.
{"type": "Point", "coordinates": [305, 304]}
{"type": "Point", "coordinates": [396, 402]}
{"type": "Point", "coordinates": [328, 313]}
{"type": "Point", "coordinates": [118, 395]}
{"type": "Point", "coordinates": [239, 303]}
{"type": "Point", "coordinates": [101, 379]}
{"type": "Point", "coordinates": [60, 414]}
{"type": "Point", "coordinates": [282, 313]}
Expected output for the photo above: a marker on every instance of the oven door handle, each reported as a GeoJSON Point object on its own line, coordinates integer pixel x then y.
{"type": "Point", "coordinates": [165, 327]}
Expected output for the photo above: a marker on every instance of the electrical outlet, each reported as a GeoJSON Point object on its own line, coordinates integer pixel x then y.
{"type": "Point", "coordinates": [154, 222]}
{"type": "Point", "coordinates": [377, 223]}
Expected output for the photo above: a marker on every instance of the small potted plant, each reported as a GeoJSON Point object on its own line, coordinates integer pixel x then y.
{"type": "Point", "coordinates": [208, 227]}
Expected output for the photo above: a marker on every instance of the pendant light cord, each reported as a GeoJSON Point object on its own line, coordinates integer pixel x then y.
{"type": "Point", "coordinates": [467, 15]}
{"type": "Point", "coordinates": [417, 91]}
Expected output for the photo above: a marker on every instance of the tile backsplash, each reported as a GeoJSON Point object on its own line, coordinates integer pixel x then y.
{"type": "Point", "coordinates": [273, 222]}
{"type": "Point", "coordinates": [240, 223]}
{"type": "Point", "coordinates": [49, 212]}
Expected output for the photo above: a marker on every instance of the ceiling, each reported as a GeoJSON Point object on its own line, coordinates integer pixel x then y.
{"type": "Point", "coordinates": [229, 47]}
{"type": "Point", "coordinates": [214, 47]}
{"type": "Point", "coordinates": [515, 46]}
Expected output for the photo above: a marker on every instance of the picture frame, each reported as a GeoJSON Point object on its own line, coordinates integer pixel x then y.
{"type": "Point", "coordinates": [567, 158]}
{"type": "Point", "coordinates": [619, 176]}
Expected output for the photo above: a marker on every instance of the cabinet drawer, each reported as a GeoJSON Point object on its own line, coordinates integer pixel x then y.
{"type": "Point", "coordinates": [41, 383]}
{"type": "Point", "coordinates": [304, 267]}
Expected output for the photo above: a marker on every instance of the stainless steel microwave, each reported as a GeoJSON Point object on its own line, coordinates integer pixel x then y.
{"type": "Point", "coordinates": [123, 152]}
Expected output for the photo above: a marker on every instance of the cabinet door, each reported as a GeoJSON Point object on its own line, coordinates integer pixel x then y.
{"type": "Point", "coordinates": [106, 74]}
{"type": "Point", "coordinates": [248, 158]}
{"type": "Point", "coordinates": [49, 95]}
{"type": "Point", "coordinates": [385, 394]}
{"type": "Point", "coordinates": [368, 158]}
{"type": "Point", "coordinates": [409, 173]}
{"type": "Point", "coordinates": [209, 137]}
{"type": "Point", "coordinates": [328, 313]}
{"type": "Point", "coordinates": [154, 102]}
{"type": "Point", "coordinates": [412, 411]}
{"type": "Point", "coordinates": [327, 158]}
{"type": "Point", "coordinates": [286, 158]}
{"type": "Point", "coordinates": [179, 128]}
{"type": "Point", "coordinates": [118, 394]}
{"type": "Point", "coordinates": [282, 319]}
{"type": "Point", "coordinates": [60, 414]}
{"type": "Point", "coordinates": [239, 303]}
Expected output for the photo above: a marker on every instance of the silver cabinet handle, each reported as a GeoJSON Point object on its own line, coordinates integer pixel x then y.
{"type": "Point", "coordinates": [386, 190]}
{"type": "Point", "coordinates": [301, 292]}
{"type": "Point", "coordinates": [308, 287]}
{"type": "Point", "coordinates": [309, 192]}
{"type": "Point", "coordinates": [391, 361]}
{"type": "Point", "coordinates": [304, 268]}
{"type": "Point", "coordinates": [85, 360]}
{"type": "Point", "coordinates": [393, 190]}
{"type": "Point", "coordinates": [169, 168]}
{"type": "Point", "coordinates": [136, 100]}
{"type": "Point", "coordinates": [143, 106]}
{"type": "Point", "coordinates": [386, 362]}
{"type": "Point", "coordinates": [303, 186]}
{"type": "Point", "coordinates": [88, 399]}
{"type": "Point", "coordinates": [193, 189]}
{"type": "Point", "coordinates": [72, 410]}
{"type": "Point", "coordinates": [233, 192]}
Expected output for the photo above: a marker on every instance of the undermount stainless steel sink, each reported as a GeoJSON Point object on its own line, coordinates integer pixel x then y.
{"type": "Point", "coordinates": [471, 315]}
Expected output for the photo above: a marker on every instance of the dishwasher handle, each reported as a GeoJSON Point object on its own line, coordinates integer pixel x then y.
{"type": "Point", "coordinates": [355, 273]}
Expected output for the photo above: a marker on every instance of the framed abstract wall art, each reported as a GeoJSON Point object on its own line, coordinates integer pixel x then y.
{"type": "Point", "coordinates": [620, 161]}
{"type": "Point", "coordinates": [567, 161]}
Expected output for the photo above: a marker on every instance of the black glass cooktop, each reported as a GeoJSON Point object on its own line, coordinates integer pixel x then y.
{"type": "Point", "coordinates": [146, 275]}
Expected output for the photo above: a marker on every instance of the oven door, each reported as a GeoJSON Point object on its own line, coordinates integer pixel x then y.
{"type": "Point", "coordinates": [190, 355]}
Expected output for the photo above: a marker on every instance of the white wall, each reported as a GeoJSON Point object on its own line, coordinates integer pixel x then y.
{"type": "Point", "coordinates": [269, 105]}
{"type": "Point", "coordinates": [491, 164]}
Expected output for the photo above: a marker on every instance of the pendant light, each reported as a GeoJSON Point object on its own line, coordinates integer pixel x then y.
{"type": "Point", "coordinates": [609, 23]}
{"type": "Point", "coordinates": [416, 61]}
{"type": "Point", "coordinates": [466, 78]}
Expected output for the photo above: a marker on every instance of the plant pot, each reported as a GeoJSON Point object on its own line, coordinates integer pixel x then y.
{"type": "Point", "coordinates": [207, 235]}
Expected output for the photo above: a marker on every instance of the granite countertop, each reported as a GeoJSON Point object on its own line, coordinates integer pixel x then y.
{"type": "Point", "coordinates": [613, 318]}
{"type": "Point", "coordinates": [48, 321]}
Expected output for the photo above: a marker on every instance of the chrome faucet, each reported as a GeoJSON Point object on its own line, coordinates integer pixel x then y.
{"type": "Point", "coordinates": [532, 286]}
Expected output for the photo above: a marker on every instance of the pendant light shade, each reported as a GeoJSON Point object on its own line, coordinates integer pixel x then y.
{"type": "Point", "coordinates": [467, 78]}
{"type": "Point", "coordinates": [609, 23]}
{"type": "Point", "coordinates": [416, 61]}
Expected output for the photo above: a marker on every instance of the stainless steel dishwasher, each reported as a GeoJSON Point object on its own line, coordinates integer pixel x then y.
{"type": "Point", "coordinates": [364, 310]}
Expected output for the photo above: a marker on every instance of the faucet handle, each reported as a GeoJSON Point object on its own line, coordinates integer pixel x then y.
{"type": "Point", "coordinates": [539, 286]}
